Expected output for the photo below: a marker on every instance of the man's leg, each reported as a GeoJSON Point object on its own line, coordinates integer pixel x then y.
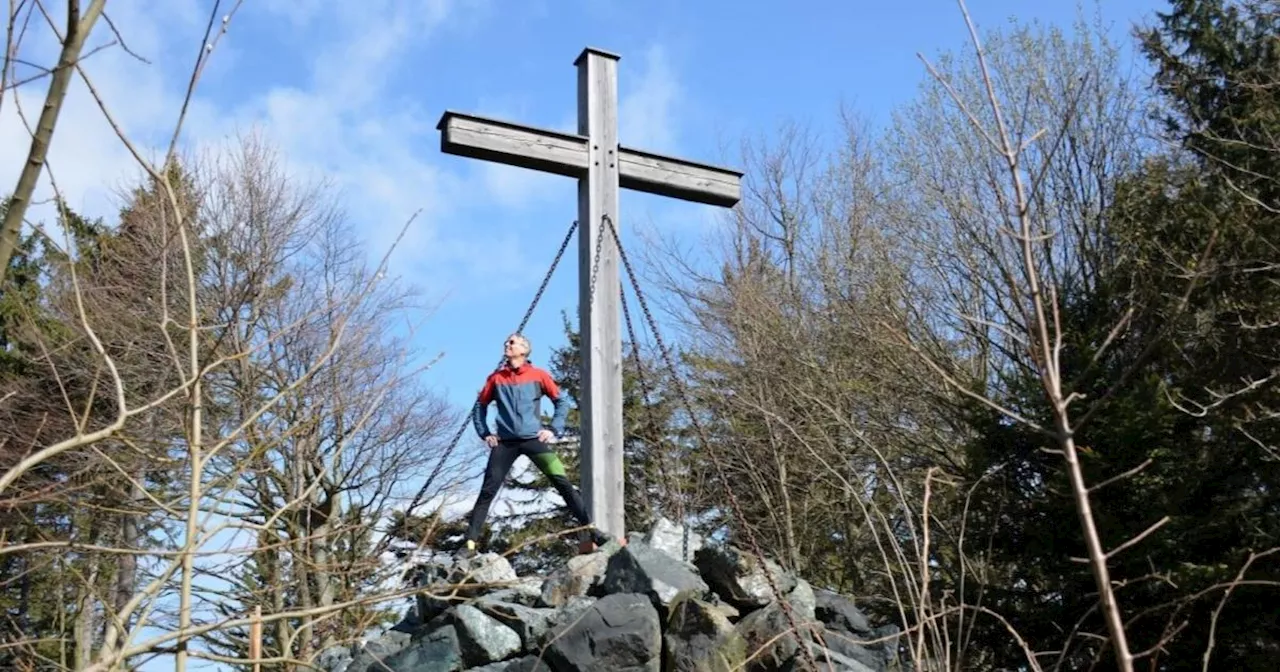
{"type": "Point", "coordinates": [549, 464]}
{"type": "Point", "coordinates": [501, 457]}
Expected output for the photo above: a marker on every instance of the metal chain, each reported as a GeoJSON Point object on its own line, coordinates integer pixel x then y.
{"type": "Point", "coordinates": [715, 459]}
{"type": "Point", "coordinates": [595, 263]}
{"type": "Point", "coordinates": [524, 321]}
{"type": "Point", "coordinates": [676, 502]}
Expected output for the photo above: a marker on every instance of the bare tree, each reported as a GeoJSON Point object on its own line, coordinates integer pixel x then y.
{"type": "Point", "coordinates": [79, 23]}
{"type": "Point", "coordinates": [1009, 165]}
{"type": "Point", "coordinates": [833, 432]}
{"type": "Point", "coordinates": [195, 366]}
{"type": "Point", "coordinates": [343, 442]}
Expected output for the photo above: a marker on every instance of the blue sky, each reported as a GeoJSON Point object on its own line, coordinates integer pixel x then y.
{"type": "Point", "coordinates": [353, 90]}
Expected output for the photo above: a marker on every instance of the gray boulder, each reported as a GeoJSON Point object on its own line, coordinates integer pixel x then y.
{"type": "Point", "coordinates": [889, 647]}
{"type": "Point", "coordinates": [373, 651]}
{"type": "Point", "coordinates": [768, 630]}
{"type": "Point", "coordinates": [852, 646]}
{"type": "Point", "coordinates": [738, 578]}
{"type": "Point", "coordinates": [840, 613]}
{"type": "Point", "coordinates": [699, 638]}
{"type": "Point", "coordinates": [828, 661]}
{"type": "Point", "coordinates": [670, 538]}
{"type": "Point", "coordinates": [529, 623]}
{"type": "Point", "coordinates": [578, 577]}
{"type": "Point", "coordinates": [634, 608]}
{"type": "Point", "coordinates": [486, 570]}
{"type": "Point", "coordinates": [523, 664]}
{"type": "Point", "coordinates": [620, 633]}
{"type": "Point", "coordinates": [334, 659]}
{"type": "Point", "coordinates": [436, 651]}
{"type": "Point", "coordinates": [482, 638]}
{"type": "Point", "coordinates": [639, 568]}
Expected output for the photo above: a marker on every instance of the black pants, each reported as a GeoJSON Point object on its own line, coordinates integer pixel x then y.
{"type": "Point", "coordinates": [501, 459]}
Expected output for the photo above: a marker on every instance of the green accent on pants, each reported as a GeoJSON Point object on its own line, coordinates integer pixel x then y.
{"type": "Point", "coordinates": [549, 463]}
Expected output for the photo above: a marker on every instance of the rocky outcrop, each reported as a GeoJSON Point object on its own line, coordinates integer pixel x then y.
{"type": "Point", "coordinates": [638, 608]}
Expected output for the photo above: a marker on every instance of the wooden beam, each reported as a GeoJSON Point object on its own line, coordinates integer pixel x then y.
{"type": "Point", "coordinates": [602, 168]}
{"type": "Point", "coordinates": [500, 141]}
{"type": "Point", "coordinates": [600, 407]}
{"type": "Point", "coordinates": [514, 144]}
{"type": "Point", "coordinates": [678, 178]}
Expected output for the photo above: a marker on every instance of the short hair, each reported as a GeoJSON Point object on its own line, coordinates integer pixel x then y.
{"type": "Point", "coordinates": [528, 347]}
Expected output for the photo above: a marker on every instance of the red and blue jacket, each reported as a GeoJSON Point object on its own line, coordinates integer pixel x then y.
{"type": "Point", "coordinates": [517, 392]}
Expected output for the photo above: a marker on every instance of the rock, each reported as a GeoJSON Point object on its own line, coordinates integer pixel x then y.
{"type": "Point", "coordinates": [828, 661]}
{"type": "Point", "coordinates": [803, 600]}
{"type": "Point", "coordinates": [529, 623]}
{"type": "Point", "coordinates": [375, 650]}
{"type": "Point", "coordinates": [488, 570]}
{"type": "Point", "coordinates": [427, 608]}
{"type": "Point", "coordinates": [889, 647]}
{"type": "Point", "coordinates": [578, 577]}
{"type": "Point", "coordinates": [455, 580]}
{"type": "Point", "coordinates": [634, 608]}
{"type": "Point", "coordinates": [565, 617]}
{"type": "Point", "coordinates": [736, 576]}
{"type": "Point", "coordinates": [848, 644]}
{"type": "Point", "coordinates": [620, 633]}
{"type": "Point", "coordinates": [528, 590]}
{"type": "Point", "coordinates": [765, 628]}
{"type": "Point", "coordinates": [436, 651]}
{"type": "Point", "coordinates": [840, 613]}
{"type": "Point", "coordinates": [639, 568]}
{"type": "Point", "coordinates": [669, 537]}
{"type": "Point", "coordinates": [525, 664]}
{"type": "Point", "coordinates": [730, 612]}
{"type": "Point", "coordinates": [334, 659]}
{"type": "Point", "coordinates": [481, 638]}
{"type": "Point", "coordinates": [699, 638]}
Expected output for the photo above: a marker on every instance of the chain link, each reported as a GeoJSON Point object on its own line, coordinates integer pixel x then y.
{"type": "Point", "coordinates": [673, 502]}
{"type": "Point", "coordinates": [595, 263]}
{"type": "Point", "coordinates": [715, 458]}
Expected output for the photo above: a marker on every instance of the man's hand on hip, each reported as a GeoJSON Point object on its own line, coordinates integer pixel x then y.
{"type": "Point", "coordinates": [545, 436]}
{"type": "Point", "coordinates": [491, 440]}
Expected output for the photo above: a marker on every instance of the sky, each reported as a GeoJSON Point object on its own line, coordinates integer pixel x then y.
{"type": "Point", "coordinates": [352, 91]}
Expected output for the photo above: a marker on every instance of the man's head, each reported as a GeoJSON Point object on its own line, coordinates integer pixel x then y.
{"type": "Point", "coordinates": [516, 349]}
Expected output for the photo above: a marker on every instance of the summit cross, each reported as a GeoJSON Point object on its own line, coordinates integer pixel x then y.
{"type": "Point", "coordinates": [602, 167]}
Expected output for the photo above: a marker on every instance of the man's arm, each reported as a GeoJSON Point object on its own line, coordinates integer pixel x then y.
{"type": "Point", "coordinates": [480, 414]}
{"type": "Point", "coordinates": [557, 398]}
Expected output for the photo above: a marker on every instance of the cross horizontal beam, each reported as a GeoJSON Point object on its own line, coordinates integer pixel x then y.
{"type": "Point", "coordinates": [567, 154]}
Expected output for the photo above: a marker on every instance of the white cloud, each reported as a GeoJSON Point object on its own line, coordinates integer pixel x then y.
{"type": "Point", "coordinates": [335, 123]}
{"type": "Point", "coordinates": [649, 115]}
{"type": "Point", "coordinates": [341, 119]}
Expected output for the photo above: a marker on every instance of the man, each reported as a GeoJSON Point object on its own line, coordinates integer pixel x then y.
{"type": "Point", "coordinates": [517, 387]}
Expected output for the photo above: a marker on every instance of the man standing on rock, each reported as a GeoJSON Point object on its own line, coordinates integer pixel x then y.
{"type": "Point", "coordinates": [517, 387]}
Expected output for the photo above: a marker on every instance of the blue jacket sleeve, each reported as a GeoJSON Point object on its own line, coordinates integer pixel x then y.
{"type": "Point", "coordinates": [480, 412]}
{"type": "Point", "coordinates": [558, 399]}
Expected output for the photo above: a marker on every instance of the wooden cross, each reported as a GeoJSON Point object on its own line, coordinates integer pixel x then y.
{"type": "Point", "coordinates": [602, 166]}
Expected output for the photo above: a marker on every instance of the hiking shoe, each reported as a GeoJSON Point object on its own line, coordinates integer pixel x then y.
{"type": "Point", "coordinates": [594, 539]}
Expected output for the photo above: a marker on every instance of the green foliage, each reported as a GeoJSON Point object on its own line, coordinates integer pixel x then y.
{"type": "Point", "coordinates": [1189, 386]}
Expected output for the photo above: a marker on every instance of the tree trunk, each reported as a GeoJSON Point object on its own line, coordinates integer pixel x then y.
{"type": "Point", "coordinates": [83, 626]}
{"type": "Point", "coordinates": [127, 563]}
{"type": "Point", "coordinates": [78, 28]}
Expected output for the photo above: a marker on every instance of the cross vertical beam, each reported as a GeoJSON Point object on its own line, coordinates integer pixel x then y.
{"type": "Point", "coordinates": [602, 167]}
{"type": "Point", "coordinates": [600, 409]}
